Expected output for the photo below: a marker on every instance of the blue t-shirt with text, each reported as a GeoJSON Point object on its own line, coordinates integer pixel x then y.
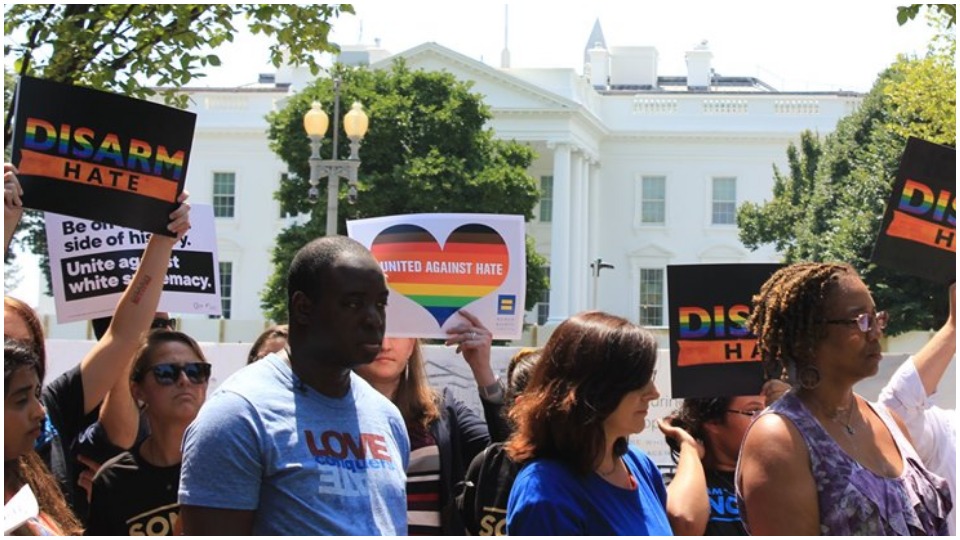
{"type": "Point", "coordinates": [306, 463]}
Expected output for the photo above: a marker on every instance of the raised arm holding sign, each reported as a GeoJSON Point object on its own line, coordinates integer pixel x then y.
{"type": "Point", "coordinates": [71, 397]}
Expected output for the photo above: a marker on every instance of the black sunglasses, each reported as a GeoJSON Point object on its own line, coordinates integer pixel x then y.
{"type": "Point", "coordinates": [160, 322]}
{"type": "Point", "coordinates": [168, 374]}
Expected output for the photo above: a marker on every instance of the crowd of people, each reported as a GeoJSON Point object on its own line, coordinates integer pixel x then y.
{"type": "Point", "coordinates": [332, 427]}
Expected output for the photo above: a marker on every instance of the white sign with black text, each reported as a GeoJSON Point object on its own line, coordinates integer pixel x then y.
{"type": "Point", "coordinates": [91, 264]}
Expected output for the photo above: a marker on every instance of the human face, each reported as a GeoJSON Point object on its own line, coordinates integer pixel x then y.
{"type": "Point", "coordinates": [178, 402]}
{"type": "Point", "coordinates": [845, 351]}
{"type": "Point", "coordinates": [387, 368]}
{"type": "Point", "coordinates": [22, 413]}
{"type": "Point", "coordinates": [631, 414]}
{"type": "Point", "coordinates": [726, 435]}
{"type": "Point", "coordinates": [347, 320]}
{"type": "Point", "coordinates": [15, 327]}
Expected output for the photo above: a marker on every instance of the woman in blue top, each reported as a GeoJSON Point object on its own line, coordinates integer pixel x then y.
{"type": "Point", "coordinates": [591, 390]}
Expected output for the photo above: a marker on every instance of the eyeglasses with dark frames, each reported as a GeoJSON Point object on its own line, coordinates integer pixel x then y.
{"type": "Point", "coordinates": [864, 321]}
{"type": "Point", "coordinates": [169, 374]}
{"type": "Point", "coordinates": [165, 324]}
{"type": "Point", "coordinates": [750, 413]}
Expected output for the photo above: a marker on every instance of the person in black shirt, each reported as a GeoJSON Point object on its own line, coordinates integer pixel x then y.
{"type": "Point", "coordinates": [135, 493]}
{"type": "Point", "coordinates": [705, 437]}
{"type": "Point", "coordinates": [482, 501]}
{"type": "Point", "coordinates": [71, 401]}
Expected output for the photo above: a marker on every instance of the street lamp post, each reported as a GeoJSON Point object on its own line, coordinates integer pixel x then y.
{"type": "Point", "coordinates": [597, 265]}
{"type": "Point", "coordinates": [355, 124]}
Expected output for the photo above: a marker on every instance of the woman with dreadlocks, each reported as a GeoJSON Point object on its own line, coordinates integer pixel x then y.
{"type": "Point", "coordinates": [823, 460]}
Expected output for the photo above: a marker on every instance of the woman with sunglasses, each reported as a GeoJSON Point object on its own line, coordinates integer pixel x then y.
{"type": "Point", "coordinates": [823, 460]}
{"type": "Point", "coordinates": [72, 400]}
{"type": "Point", "coordinates": [136, 492]}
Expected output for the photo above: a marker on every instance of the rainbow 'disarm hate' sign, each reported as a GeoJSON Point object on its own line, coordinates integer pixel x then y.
{"type": "Point", "coordinates": [100, 156]}
{"type": "Point", "coordinates": [919, 231]}
{"type": "Point", "coordinates": [712, 352]}
{"type": "Point", "coordinates": [437, 264]}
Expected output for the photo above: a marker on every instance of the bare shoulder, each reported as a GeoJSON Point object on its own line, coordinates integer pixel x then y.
{"type": "Point", "coordinates": [776, 480]}
{"type": "Point", "coordinates": [773, 437]}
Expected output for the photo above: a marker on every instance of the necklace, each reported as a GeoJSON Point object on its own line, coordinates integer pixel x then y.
{"type": "Point", "coordinates": [835, 416]}
{"type": "Point", "coordinates": [846, 424]}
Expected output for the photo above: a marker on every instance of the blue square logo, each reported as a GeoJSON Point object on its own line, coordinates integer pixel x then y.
{"type": "Point", "coordinates": [506, 304]}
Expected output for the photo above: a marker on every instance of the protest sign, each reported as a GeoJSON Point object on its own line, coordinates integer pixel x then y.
{"type": "Point", "coordinates": [100, 156]}
{"type": "Point", "coordinates": [91, 264]}
{"type": "Point", "coordinates": [437, 264]}
{"type": "Point", "coordinates": [919, 231]}
{"type": "Point", "coordinates": [712, 353]}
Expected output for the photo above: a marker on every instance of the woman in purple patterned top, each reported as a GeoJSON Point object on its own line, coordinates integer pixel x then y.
{"type": "Point", "coordinates": [823, 460]}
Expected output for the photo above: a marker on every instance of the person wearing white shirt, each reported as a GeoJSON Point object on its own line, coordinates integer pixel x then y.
{"type": "Point", "coordinates": [908, 393]}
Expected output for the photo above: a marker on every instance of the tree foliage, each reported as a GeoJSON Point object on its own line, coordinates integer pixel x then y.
{"type": "Point", "coordinates": [909, 12]}
{"type": "Point", "coordinates": [133, 49]}
{"type": "Point", "coordinates": [830, 206]}
{"type": "Point", "coordinates": [427, 150]}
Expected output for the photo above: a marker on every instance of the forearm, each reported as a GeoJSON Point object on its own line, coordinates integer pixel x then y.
{"type": "Point", "coordinates": [138, 305]}
{"type": "Point", "coordinates": [119, 414]}
{"type": "Point", "coordinates": [688, 505]}
{"type": "Point", "coordinates": [111, 356]}
{"type": "Point", "coordinates": [9, 228]}
{"type": "Point", "coordinates": [933, 358]}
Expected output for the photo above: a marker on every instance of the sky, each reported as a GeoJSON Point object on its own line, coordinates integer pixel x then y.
{"type": "Point", "coordinates": [791, 46]}
{"type": "Point", "coordinates": [795, 46]}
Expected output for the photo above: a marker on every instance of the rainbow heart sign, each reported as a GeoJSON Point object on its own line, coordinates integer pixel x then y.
{"type": "Point", "coordinates": [433, 276]}
{"type": "Point", "coordinates": [438, 264]}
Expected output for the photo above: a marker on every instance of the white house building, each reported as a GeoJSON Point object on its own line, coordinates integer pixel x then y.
{"type": "Point", "coordinates": [637, 169]}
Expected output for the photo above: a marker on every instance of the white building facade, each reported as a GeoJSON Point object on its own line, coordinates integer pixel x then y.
{"type": "Point", "coordinates": [637, 170]}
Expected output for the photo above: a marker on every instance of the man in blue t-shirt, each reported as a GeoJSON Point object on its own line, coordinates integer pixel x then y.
{"type": "Point", "coordinates": [296, 443]}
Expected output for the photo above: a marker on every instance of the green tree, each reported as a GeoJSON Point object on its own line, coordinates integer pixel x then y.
{"type": "Point", "coordinates": [831, 206]}
{"type": "Point", "coordinates": [133, 49]}
{"type": "Point", "coordinates": [909, 12]}
{"type": "Point", "coordinates": [427, 151]}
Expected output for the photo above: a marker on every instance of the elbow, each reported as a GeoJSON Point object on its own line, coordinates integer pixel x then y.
{"type": "Point", "coordinates": [684, 523]}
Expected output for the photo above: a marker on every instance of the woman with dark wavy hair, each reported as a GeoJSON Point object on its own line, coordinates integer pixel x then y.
{"type": "Point", "coordinates": [23, 417]}
{"type": "Point", "coordinates": [591, 390]}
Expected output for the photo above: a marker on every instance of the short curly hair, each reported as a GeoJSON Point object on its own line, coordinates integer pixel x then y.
{"type": "Point", "coordinates": [787, 313]}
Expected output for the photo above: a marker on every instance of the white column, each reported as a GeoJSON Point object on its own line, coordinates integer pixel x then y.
{"type": "Point", "coordinates": [560, 235]}
{"type": "Point", "coordinates": [584, 228]}
{"type": "Point", "coordinates": [576, 232]}
{"type": "Point", "coordinates": [593, 224]}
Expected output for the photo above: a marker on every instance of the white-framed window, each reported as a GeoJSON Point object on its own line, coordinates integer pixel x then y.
{"type": "Point", "coordinates": [652, 200]}
{"type": "Point", "coordinates": [546, 199]}
{"type": "Point", "coordinates": [651, 296]}
{"type": "Point", "coordinates": [226, 288]}
{"type": "Point", "coordinates": [724, 200]}
{"type": "Point", "coordinates": [224, 194]}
